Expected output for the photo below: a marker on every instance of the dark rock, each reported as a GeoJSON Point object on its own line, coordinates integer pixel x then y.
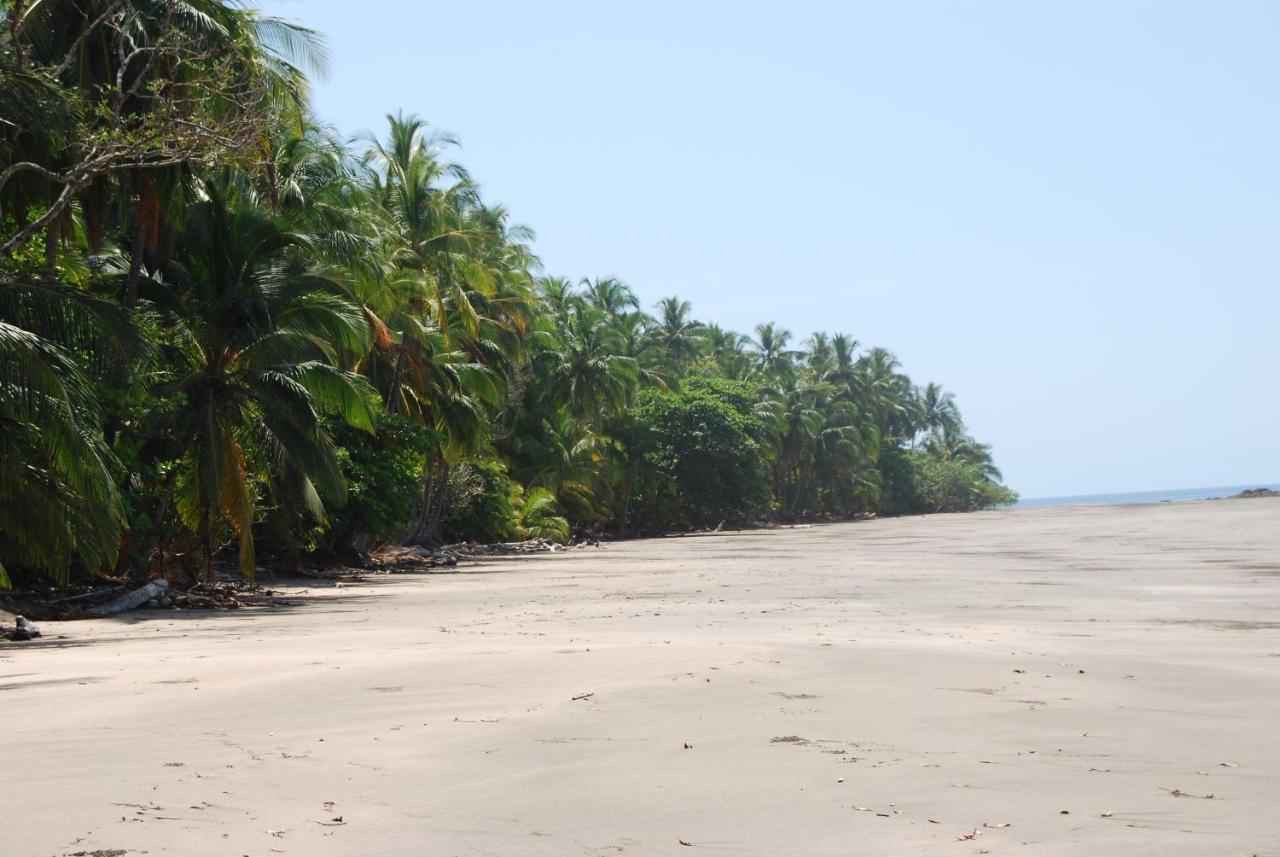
{"type": "Point", "coordinates": [1250, 493]}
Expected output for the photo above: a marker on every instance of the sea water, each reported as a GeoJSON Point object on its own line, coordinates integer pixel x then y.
{"type": "Point", "coordinates": [1172, 495]}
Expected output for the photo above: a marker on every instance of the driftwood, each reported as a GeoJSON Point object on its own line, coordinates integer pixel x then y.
{"type": "Point", "coordinates": [132, 600]}
{"type": "Point", "coordinates": [23, 630]}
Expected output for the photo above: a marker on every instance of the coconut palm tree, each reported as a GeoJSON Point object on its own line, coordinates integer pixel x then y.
{"type": "Point", "coordinates": [610, 295]}
{"type": "Point", "coordinates": [936, 409]}
{"type": "Point", "coordinates": [255, 329]}
{"type": "Point", "coordinates": [59, 504]}
{"type": "Point", "coordinates": [583, 369]}
{"type": "Point", "coordinates": [676, 337]}
{"type": "Point", "coordinates": [773, 359]}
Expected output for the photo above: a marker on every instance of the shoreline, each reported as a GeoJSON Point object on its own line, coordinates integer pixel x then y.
{"type": "Point", "coordinates": [912, 685]}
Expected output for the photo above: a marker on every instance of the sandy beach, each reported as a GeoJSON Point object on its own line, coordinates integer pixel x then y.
{"type": "Point", "coordinates": [1062, 681]}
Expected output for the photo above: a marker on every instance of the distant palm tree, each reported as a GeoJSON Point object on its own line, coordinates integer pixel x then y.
{"type": "Point", "coordinates": [610, 295]}
{"type": "Point", "coordinates": [953, 444]}
{"type": "Point", "coordinates": [820, 357]}
{"type": "Point", "coordinates": [675, 335]}
{"type": "Point", "coordinates": [584, 367]}
{"type": "Point", "coordinates": [936, 409]}
{"type": "Point", "coordinates": [773, 358]}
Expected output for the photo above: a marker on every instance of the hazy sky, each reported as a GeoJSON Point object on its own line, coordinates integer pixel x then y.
{"type": "Point", "coordinates": [1067, 213]}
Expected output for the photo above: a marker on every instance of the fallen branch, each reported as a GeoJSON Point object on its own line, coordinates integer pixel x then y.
{"type": "Point", "coordinates": [132, 600]}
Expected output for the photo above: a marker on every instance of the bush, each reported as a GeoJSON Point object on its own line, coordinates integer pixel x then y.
{"type": "Point", "coordinates": [479, 508]}
{"type": "Point", "coordinates": [696, 456]}
{"type": "Point", "coordinates": [923, 484]}
{"type": "Point", "coordinates": [383, 481]}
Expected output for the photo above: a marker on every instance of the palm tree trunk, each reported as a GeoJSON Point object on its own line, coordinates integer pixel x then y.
{"type": "Point", "coordinates": [397, 377]}
{"type": "Point", "coordinates": [425, 530]}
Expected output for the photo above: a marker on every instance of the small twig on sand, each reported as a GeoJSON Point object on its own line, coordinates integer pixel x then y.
{"type": "Point", "coordinates": [583, 696]}
{"type": "Point", "coordinates": [1181, 793]}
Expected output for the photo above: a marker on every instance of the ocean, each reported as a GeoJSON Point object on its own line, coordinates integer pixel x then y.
{"type": "Point", "coordinates": [1173, 495]}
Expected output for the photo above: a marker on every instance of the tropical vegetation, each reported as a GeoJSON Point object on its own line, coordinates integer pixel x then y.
{"type": "Point", "coordinates": [227, 333]}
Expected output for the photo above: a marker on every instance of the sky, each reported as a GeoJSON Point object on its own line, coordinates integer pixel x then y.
{"type": "Point", "coordinates": [1067, 213]}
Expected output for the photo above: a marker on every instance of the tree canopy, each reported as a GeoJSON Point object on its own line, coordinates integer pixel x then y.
{"type": "Point", "coordinates": [227, 332]}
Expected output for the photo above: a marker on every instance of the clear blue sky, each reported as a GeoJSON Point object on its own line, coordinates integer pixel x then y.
{"type": "Point", "coordinates": [1067, 213]}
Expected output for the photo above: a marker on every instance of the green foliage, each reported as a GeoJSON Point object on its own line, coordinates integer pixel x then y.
{"type": "Point", "coordinates": [536, 517]}
{"type": "Point", "coordinates": [382, 475]}
{"type": "Point", "coordinates": [59, 505]}
{"type": "Point", "coordinates": [480, 506]}
{"type": "Point", "coordinates": [697, 456]}
{"type": "Point", "coordinates": [220, 325]}
{"type": "Point", "coordinates": [932, 484]}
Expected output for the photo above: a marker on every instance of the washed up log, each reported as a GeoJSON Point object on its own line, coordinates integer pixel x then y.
{"type": "Point", "coordinates": [427, 553]}
{"type": "Point", "coordinates": [132, 600]}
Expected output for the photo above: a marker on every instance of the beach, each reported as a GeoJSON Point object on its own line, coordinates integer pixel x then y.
{"type": "Point", "coordinates": [1099, 680]}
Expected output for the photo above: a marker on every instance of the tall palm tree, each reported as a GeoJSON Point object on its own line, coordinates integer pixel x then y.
{"type": "Point", "coordinates": [675, 335]}
{"type": "Point", "coordinates": [584, 369]}
{"type": "Point", "coordinates": [773, 358]}
{"type": "Point", "coordinates": [936, 409]}
{"type": "Point", "coordinates": [610, 295]}
{"type": "Point", "coordinates": [255, 332]}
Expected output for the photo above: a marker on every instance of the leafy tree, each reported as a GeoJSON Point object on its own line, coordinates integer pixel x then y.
{"type": "Point", "coordinates": [701, 455]}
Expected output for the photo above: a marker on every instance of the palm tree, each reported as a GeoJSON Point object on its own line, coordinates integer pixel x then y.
{"type": "Point", "coordinates": [676, 336]}
{"type": "Point", "coordinates": [937, 410]}
{"type": "Point", "coordinates": [820, 357]}
{"type": "Point", "coordinates": [59, 504]}
{"type": "Point", "coordinates": [610, 295]}
{"type": "Point", "coordinates": [255, 332]}
{"type": "Point", "coordinates": [952, 444]}
{"type": "Point", "coordinates": [773, 358]}
{"type": "Point", "coordinates": [584, 369]}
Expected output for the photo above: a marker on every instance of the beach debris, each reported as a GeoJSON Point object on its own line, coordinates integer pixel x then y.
{"type": "Point", "coordinates": [155, 589]}
{"type": "Point", "coordinates": [1107, 814]}
{"type": "Point", "coordinates": [336, 821]}
{"type": "Point", "coordinates": [583, 696]}
{"type": "Point", "coordinates": [23, 630]}
{"type": "Point", "coordinates": [688, 746]}
{"type": "Point", "coordinates": [1181, 793]}
{"type": "Point", "coordinates": [399, 558]}
{"type": "Point", "coordinates": [686, 844]}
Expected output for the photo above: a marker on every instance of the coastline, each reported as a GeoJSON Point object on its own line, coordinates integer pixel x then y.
{"type": "Point", "coordinates": [1166, 495]}
{"type": "Point", "coordinates": [908, 684]}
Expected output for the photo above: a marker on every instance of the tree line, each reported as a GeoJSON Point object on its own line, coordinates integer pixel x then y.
{"type": "Point", "coordinates": [226, 331]}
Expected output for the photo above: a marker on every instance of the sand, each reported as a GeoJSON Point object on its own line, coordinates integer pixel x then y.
{"type": "Point", "coordinates": [1066, 681]}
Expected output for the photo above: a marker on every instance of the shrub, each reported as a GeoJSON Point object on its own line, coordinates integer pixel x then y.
{"type": "Point", "coordinates": [696, 455]}
{"type": "Point", "coordinates": [924, 483]}
{"type": "Point", "coordinates": [383, 481]}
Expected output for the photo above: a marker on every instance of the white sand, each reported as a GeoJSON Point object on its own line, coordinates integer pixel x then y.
{"type": "Point", "coordinates": [881, 688]}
